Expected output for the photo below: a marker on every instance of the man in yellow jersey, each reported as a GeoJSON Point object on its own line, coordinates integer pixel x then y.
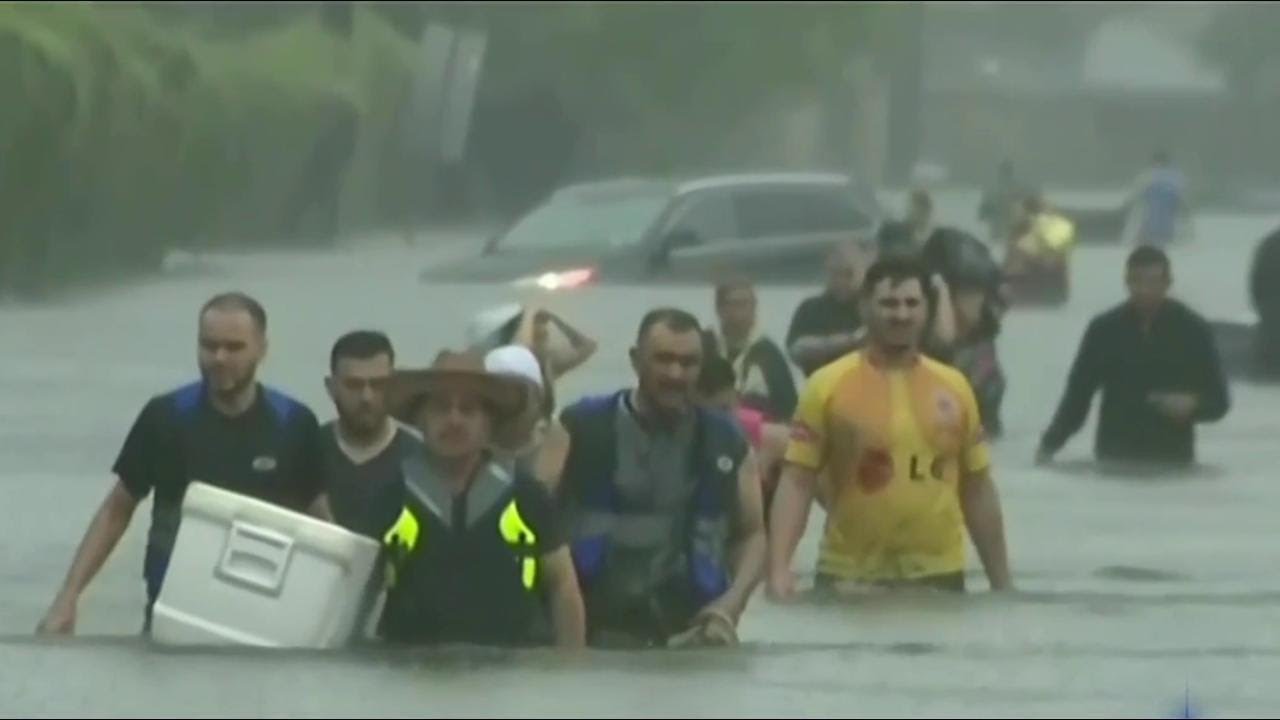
{"type": "Point", "coordinates": [896, 441]}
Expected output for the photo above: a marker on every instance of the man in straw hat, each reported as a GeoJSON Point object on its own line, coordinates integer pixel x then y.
{"type": "Point", "coordinates": [475, 549]}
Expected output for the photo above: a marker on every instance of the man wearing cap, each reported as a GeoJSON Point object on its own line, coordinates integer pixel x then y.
{"type": "Point", "coordinates": [537, 443]}
{"type": "Point", "coordinates": [476, 547]}
{"type": "Point", "coordinates": [663, 501]}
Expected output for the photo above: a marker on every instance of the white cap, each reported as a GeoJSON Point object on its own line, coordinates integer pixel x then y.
{"type": "Point", "coordinates": [516, 361]}
{"type": "Point", "coordinates": [483, 329]}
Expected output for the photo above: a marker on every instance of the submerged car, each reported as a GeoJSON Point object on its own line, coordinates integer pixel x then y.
{"type": "Point", "coordinates": [776, 226]}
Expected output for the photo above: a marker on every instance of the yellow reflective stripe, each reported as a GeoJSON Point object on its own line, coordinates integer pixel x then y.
{"type": "Point", "coordinates": [404, 532]}
{"type": "Point", "coordinates": [515, 531]}
{"type": "Point", "coordinates": [401, 539]}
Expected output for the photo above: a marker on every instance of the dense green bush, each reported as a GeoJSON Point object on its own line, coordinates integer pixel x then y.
{"type": "Point", "coordinates": [123, 137]}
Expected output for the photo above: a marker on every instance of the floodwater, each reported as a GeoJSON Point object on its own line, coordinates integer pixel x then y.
{"type": "Point", "coordinates": [1135, 595]}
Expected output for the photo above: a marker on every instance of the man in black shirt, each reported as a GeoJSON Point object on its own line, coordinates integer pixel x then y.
{"type": "Point", "coordinates": [226, 430]}
{"type": "Point", "coordinates": [476, 549]}
{"type": "Point", "coordinates": [763, 377]}
{"type": "Point", "coordinates": [829, 326]}
{"type": "Point", "coordinates": [1155, 361]}
{"type": "Point", "coordinates": [364, 448]}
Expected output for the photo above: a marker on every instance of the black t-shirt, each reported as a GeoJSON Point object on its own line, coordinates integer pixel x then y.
{"type": "Point", "coordinates": [365, 498]}
{"type": "Point", "coordinates": [821, 316]}
{"type": "Point", "coordinates": [270, 452]}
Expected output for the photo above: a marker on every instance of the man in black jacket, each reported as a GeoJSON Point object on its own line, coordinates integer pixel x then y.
{"type": "Point", "coordinates": [764, 379]}
{"type": "Point", "coordinates": [1155, 361]}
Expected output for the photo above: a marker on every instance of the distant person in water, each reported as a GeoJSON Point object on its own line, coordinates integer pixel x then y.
{"type": "Point", "coordinates": [763, 377]}
{"type": "Point", "coordinates": [1157, 204]}
{"type": "Point", "coordinates": [1264, 292]}
{"type": "Point", "coordinates": [829, 325]}
{"type": "Point", "coordinates": [1157, 365]}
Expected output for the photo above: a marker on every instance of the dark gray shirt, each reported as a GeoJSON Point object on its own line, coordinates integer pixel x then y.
{"type": "Point", "coordinates": [366, 498]}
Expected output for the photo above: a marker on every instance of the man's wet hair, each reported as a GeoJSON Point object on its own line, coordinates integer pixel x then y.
{"type": "Point", "coordinates": [361, 345]}
{"type": "Point", "coordinates": [230, 301]}
{"type": "Point", "coordinates": [727, 287]}
{"type": "Point", "coordinates": [717, 375]}
{"type": "Point", "coordinates": [898, 269]}
{"type": "Point", "coordinates": [676, 319]}
{"type": "Point", "coordinates": [1145, 257]}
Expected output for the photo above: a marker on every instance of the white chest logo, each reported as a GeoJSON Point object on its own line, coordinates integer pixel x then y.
{"type": "Point", "coordinates": [264, 464]}
{"type": "Point", "coordinates": [724, 464]}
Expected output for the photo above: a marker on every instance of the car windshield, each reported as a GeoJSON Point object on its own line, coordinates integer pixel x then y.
{"type": "Point", "coordinates": [593, 217]}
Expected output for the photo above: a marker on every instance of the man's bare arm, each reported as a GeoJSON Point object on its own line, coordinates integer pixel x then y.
{"type": "Point", "coordinates": [107, 527]}
{"type": "Point", "coordinates": [985, 520]}
{"type": "Point", "coordinates": [320, 508]}
{"type": "Point", "coordinates": [568, 616]}
{"type": "Point", "coordinates": [748, 553]}
{"type": "Point", "coordinates": [790, 514]}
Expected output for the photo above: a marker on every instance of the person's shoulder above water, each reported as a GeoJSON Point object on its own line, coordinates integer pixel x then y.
{"type": "Point", "coordinates": [946, 374]}
{"type": "Point", "coordinates": [837, 369]}
{"type": "Point", "coordinates": [287, 408]}
{"type": "Point", "coordinates": [589, 406]}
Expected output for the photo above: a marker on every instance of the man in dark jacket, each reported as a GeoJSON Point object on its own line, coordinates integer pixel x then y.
{"type": "Point", "coordinates": [1156, 363]}
{"type": "Point", "coordinates": [764, 379]}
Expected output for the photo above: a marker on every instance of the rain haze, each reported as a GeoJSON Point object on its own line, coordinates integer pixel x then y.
{"type": "Point", "coordinates": [405, 167]}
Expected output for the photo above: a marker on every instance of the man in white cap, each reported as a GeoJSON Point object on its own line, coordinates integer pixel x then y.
{"type": "Point", "coordinates": [530, 326]}
{"type": "Point", "coordinates": [536, 443]}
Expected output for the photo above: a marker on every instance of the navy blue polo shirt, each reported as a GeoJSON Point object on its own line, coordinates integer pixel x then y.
{"type": "Point", "coordinates": [271, 451]}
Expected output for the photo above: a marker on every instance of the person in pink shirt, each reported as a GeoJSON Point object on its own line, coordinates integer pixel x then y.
{"type": "Point", "coordinates": [717, 388]}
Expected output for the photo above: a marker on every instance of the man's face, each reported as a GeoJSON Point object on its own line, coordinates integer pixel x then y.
{"type": "Point", "coordinates": [230, 346]}
{"type": "Point", "coordinates": [896, 312]}
{"type": "Point", "coordinates": [1148, 286]}
{"type": "Point", "coordinates": [667, 364]}
{"type": "Point", "coordinates": [455, 423]}
{"type": "Point", "coordinates": [737, 310]}
{"type": "Point", "coordinates": [844, 274]}
{"type": "Point", "coordinates": [358, 388]}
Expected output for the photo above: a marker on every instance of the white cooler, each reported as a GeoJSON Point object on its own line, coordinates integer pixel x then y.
{"type": "Point", "coordinates": [246, 572]}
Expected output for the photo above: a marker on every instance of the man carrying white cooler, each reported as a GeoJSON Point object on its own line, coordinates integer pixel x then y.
{"type": "Point", "coordinates": [477, 549]}
{"type": "Point", "coordinates": [226, 430]}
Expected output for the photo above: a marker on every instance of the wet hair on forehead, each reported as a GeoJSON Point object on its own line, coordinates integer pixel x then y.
{"type": "Point", "coordinates": [237, 301]}
{"type": "Point", "coordinates": [361, 345]}
{"type": "Point", "coordinates": [725, 289]}
{"type": "Point", "coordinates": [1147, 256]}
{"type": "Point", "coordinates": [674, 319]}
{"type": "Point", "coordinates": [897, 269]}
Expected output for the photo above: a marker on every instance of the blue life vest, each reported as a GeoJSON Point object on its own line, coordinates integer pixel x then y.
{"type": "Point", "coordinates": [601, 522]}
{"type": "Point", "coordinates": [186, 402]}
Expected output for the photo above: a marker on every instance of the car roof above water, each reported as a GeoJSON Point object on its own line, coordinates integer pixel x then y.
{"type": "Point", "coordinates": [717, 182]}
{"type": "Point", "coordinates": [646, 185]}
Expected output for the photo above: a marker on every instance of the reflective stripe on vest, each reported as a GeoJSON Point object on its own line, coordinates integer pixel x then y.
{"type": "Point", "coordinates": [402, 540]}
{"type": "Point", "coordinates": [517, 533]}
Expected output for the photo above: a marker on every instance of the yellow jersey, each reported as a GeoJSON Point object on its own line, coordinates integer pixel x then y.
{"type": "Point", "coordinates": [891, 445]}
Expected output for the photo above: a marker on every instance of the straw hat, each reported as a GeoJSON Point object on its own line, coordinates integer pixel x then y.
{"type": "Point", "coordinates": [408, 388]}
